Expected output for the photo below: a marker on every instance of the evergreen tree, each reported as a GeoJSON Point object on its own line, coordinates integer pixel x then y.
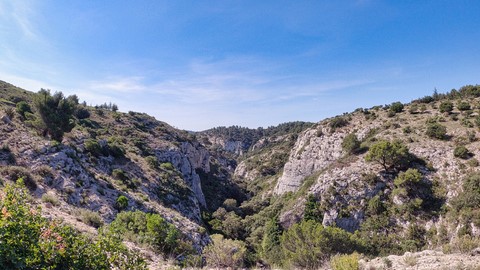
{"type": "Point", "coordinates": [55, 112]}
{"type": "Point", "coordinates": [270, 248]}
{"type": "Point", "coordinates": [312, 209]}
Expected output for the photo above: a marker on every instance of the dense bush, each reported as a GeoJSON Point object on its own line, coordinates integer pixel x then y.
{"type": "Point", "coordinates": [446, 106]}
{"type": "Point", "coordinates": [56, 113]}
{"type": "Point", "coordinates": [391, 155]}
{"type": "Point", "coordinates": [436, 131]}
{"type": "Point", "coordinates": [225, 253]}
{"type": "Point", "coordinates": [121, 203]}
{"type": "Point", "coordinates": [396, 107]}
{"type": "Point", "coordinates": [345, 262]}
{"type": "Point", "coordinates": [22, 108]}
{"type": "Point", "coordinates": [29, 241]}
{"type": "Point", "coordinates": [461, 152]}
{"type": "Point", "coordinates": [463, 106]}
{"type": "Point", "coordinates": [308, 244]}
{"type": "Point", "coordinates": [93, 147]}
{"type": "Point", "coordinates": [338, 122]}
{"type": "Point", "coordinates": [82, 113]}
{"type": "Point", "coordinates": [350, 143]}
{"type": "Point", "coordinates": [151, 230]}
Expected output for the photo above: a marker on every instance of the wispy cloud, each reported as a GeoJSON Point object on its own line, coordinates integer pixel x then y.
{"type": "Point", "coordinates": [19, 15]}
{"type": "Point", "coordinates": [119, 84]}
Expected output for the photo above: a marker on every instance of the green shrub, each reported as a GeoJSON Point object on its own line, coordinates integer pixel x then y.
{"type": "Point", "coordinates": [396, 107]}
{"type": "Point", "coordinates": [167, 166]}
{"type": "Point", "coordinates": [119, 174]}
{"type": "Point", "coordinates": [151, 230]}
{"type": "Point", "coordinates": [82, 113]}
{"type": "Point", "coordinates": [338, 122]}
{"type": "Point", "coordinates": [16, 172]}
{"type": "Point", "coordinates": [56, 113]}
{"type": "Point", "coordinates": [461, 152]}
{"type": "Point", "coordinates": [308, 244]}
{"type": "Point", "coordinates": [446, 106]}
{"type": "Point", "coordinates": [30, 241]}
{"type": "Point", "coordinates": [436, 131]}
{"type": "Point", "coordinates": [413, 109]}
{"type": "Point", "coordinates": [50, 198]}
{"type": "Point", "coordinates": [345, 262]}
{"type": "Point", "coordinates": [391, 155]}
{"type": "Point", "coordinates": [91, 218]}
{"type": "Point", "coordinates": [22, 108]}
{"type": "Point", "coordinates": [463, 106]}
{"type": "Point", "coordinates": [121, 203]}
{"type": "Point", "coordinates": [225, 253]}
{"type": "Point", "coordinates": [93, 147]}
{"type": "Point", "coordinates": [152, 162]}
{"type": "Point", "coordinates": [350, 143]}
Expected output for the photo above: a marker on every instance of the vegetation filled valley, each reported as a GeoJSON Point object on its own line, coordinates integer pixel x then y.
{"type": "Point", "coordinates": [90, 187]}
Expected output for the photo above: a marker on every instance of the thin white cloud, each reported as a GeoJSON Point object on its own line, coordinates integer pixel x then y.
{"type": "Point", "coordinates": [119, 84]}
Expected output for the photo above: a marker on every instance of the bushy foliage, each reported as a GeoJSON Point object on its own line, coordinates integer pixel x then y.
{"type": "Point", "coordinates": [446, 107]}
{"type": "Point", "coordinates": [461, 152]}
{"type": "Point", "coordinates": [82, 113]}
{"type": "Point", "coordinates": [93, 147]}
{"type": "Point", "coordinates": [149, 229]}
{"type": "Point", "coordinates": [436, 131]}
{"type": "Point", "coordinates": [345, 262]}
{"type": "Point", "coordinates": [22, 108]}
{"type": "Point", "coordinates": [225, 253]}
{"type": "Point", "coordinates": [469, 198]}
{"type": "Point", "coordinates": [338, 122]}
{"type": "Point", "coordinates": [55, 113]}
{"type": "Point", "coordinates": [308, 244]}
{"type": "Point", "coordinates": [29, 241]}
{"type": "Point", "coordinates": [312, 209]}
{"type": "Point", "coordinates": [350, 143]}
{"type": "Point", "coordinates": [396, 107]}
{"type": "Point", "coordinates": [391, 155]}
{"type": "Point", "coordinates": [270, 246]}
{"type": "Point", "coordinates": [121, 203]}
{"type": "Point", "coordinates": [463, 106]}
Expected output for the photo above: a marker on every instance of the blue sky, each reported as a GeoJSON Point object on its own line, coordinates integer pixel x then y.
{"type": "Point", "coordinates": [200, 64]}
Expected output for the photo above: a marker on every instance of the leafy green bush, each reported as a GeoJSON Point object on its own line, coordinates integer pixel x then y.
{"type": "Point", "coordinates": [350, 143]}
{"type": "Point", "coordinates": [91, 218]}
{"type": "Point", "coordinates": [30, 241]}
{"type": "Point", "coordinates": [93, 147]}
{"type": "Point", "coordinates": [50, 198]}
{"type": "Point", "coordinates": [22, 108]}
{"type": "Point", "coordinates": [56, 113]}
{"type": "Point", "coordinates": [308, 244]}
{"type": "Point", "coordinates": [16, 172]}
{"type": "Point", "coordinates": [446, 106]}
{"type": "Point", "coordinates": [345, 262]}
{"type": "Point", "coordinates": [121, 203]}
{"type": "Point", "coordinates": [463, 106]}
{"type": "Point", "coordinates": [461, 152]}
{"type": "Point", "coordinates": [338, 122]}
{"type": "Point", "coordinates": [152, 162]}
{"type": "Point", "coordinates": [151, 230]}
{"type": "Point", "coordinates": [396, 107]}
{"type": "Point", "coordinates": [82, 113]}
{"type": "Point", "coordinates": [436, 131]}
{"type": "Point", "coordinates": [391, 155]}
{"type": "Point", "coordinates": [225, 253]}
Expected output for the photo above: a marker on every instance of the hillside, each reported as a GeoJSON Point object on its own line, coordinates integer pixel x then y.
{"type": "Point", "coordinates": [383, 180]}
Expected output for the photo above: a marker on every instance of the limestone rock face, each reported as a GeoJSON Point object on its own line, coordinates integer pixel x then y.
{"type": "Point", "coordinates": [316, 149]}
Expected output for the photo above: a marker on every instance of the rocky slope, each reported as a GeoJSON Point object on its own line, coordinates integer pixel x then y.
{"type": "Point", "coordinates": [234, 180]}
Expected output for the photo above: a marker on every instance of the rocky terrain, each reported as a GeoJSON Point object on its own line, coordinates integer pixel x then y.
{"type": "Point", "coordinates": [233, 181]}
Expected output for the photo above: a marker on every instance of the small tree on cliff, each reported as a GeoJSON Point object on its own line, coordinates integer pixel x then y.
{"type": "Point", "coordinates": [55, 113]}
{"type": "Point", "coordinates": [391, 155]}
